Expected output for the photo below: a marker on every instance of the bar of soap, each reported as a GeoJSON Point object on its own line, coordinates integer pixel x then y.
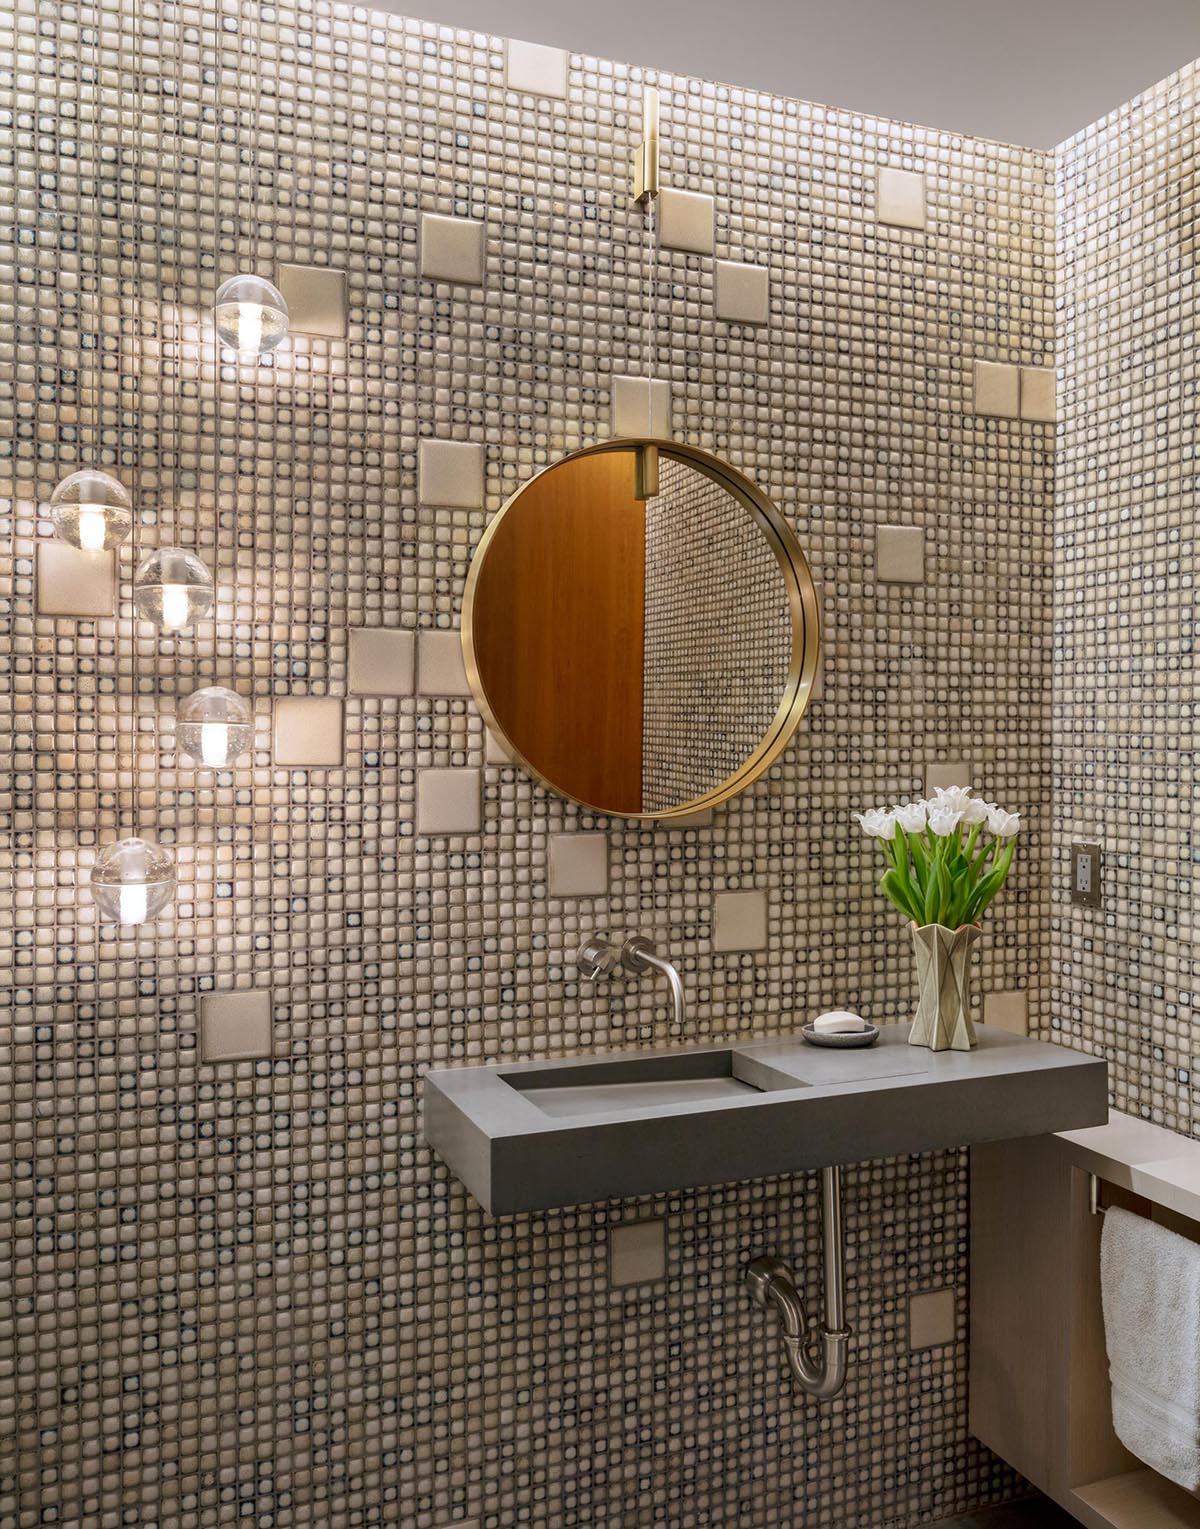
{"type": "Point", "coordinates": [838, 1022]}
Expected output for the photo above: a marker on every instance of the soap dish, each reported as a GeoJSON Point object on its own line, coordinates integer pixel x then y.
{"type": "Point", "coordinates": [845, 1040]}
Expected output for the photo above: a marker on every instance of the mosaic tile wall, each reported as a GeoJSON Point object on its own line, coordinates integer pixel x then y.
{"type": "Point", "coordinates": [243, 1290]}
{"type": "Point", "coordinates": [718, 638]}
{"type": "Point", "coordinates": [1124, 696]}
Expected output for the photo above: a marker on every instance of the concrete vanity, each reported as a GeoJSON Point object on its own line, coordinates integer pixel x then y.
{"type": "Point", "coordinates": [563, 1132]}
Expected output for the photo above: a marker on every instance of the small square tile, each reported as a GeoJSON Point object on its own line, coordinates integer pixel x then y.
{"type": "Point", "coordinates": [931, 1319]}
{"type": "Point", "coordinates": [901, 198]}
{"type": "Point", "coordinates": [316, 299]}
{"type": "Point", "coordinates": [637, 1252]}
{"type": "Point", "coordinates": [1038, 388]}
{"type": "Point", "coordinates": [997, 389]}
{"type": "Point", "coordinates": [946, 773]}
{"type": "Point", "coordinates": [452, 249]}
{"type": "Point", "coordinates": [536, 69]}
{"type": "Point", "coordinates": [441, 669]}
{"type": "Point", "coordinates": [685, 220]}
{"type": "Point", "coordinates": [235, 1027]}
{"type": "Point", "coordinates": [900, 554]}
{"type": "Point", "coordinates": [740, 921]}
{"type": "Point", "coordinates": [578, 865]}
{"type": "Point", "coordinates": [381, 661]}
{"type": "Point", "coordinates": [641, 406]}
{"type": "Point", "coordinates": [309, 732]}
{"type": "Point", "coordinates": [742, 293]}
{"type": "Point", "coordinates": [1007, 1011]}
{"type": "Point", "coordinates": [450, 473]}
{"type": "Point", "coordinates": [448, 802]}
{"type": "Point", "coordinates": [495, 750]}
{"type": "Point", "coordinates": [71, 582]}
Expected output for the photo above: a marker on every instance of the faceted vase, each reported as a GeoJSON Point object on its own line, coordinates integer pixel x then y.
{"type": "Point", "coordinates": [943, 1020]}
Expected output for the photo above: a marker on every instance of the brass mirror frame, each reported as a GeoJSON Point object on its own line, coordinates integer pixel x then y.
{"type": "Point", "coordinates": [802, 603]}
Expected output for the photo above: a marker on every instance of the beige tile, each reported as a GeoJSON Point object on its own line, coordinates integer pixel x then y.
{"type": "Point", "coordinates": [637, 1252]}
{"type": "Point", "coordinates": [740, 921]}
{"type": "Point", "coordinates": [452, 249]}
{"type": "Point", "coordinates": [495, 750]}
{"type": "Point", "coordinates": [450, 473]}
{"type": "Point", "coordinates": [309, 732]}
{"type": "Point", "coordinates": [946, 773]}
{"type": "Point", "coordinates": [641, 406]}
{"type": "Point", "coordinates": [71, 582]}
{"type": "Point", "coordinates": [316, 299]}
{"type": "Point", "coordinates": [1038, 401]}
{"type": "Point", "coordinates": [536, 69]}
{"type": "Point", "coordinates": [235, 1026]}
{"type": "Point", "coordinates": [448, 801]}
{"type": "Point", "coordinates": [578, 865]}
{"type": "Point", "coordinates": [381, 661]}
{"type": "Point", "coordinates": [685, 220]}
{"type": "Point", "coordinates": [701, 819]}
{"type": "Point", "coordinates": [441, 669]}
{"type": "Point", "coordinates": [901, 198]}
{"type": "Point", "coordinates": [1007, 1011]}
{"type": "Point", "coordinates": [742, 293]}
{"type": "Point", "coordinates": [900, 554]}
{"type": "Point", "coordinates": [931, 1319]}
{"type": "Point", "coordinates": [997, 389]}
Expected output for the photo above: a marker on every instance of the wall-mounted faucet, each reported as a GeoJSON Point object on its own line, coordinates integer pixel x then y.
{"type": "Point", "coordinates": [600, 957]}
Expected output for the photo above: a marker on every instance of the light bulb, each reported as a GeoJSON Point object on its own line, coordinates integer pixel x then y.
{"type": "Point", "coordinates": [251, 315]}
{"type": "Point", "coordinates": [92, 528]}
{"type": "Point", "coordinates": [174, 606]}
{"type": "Point", "coordinates": [172, 588]}
{"type": "Point", "coordinates": [132, 881]}
{"type": "Point", "coordinates": [134, 904]}
{"type": "Point", "coordinates": [214, 727]}
{"type": "Point", "coordinates": [91, 510]}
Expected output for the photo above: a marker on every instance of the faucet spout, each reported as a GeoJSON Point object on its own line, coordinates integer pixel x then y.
{"type": "Point", "coordinates": [639, 955]}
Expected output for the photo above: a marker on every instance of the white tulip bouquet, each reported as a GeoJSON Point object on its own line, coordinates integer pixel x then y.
{"type": "Point", "coordinates": [938, 870]}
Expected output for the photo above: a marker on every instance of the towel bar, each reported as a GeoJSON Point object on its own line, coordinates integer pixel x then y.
{"type": "Point", "coordinates": [1094, 1196]}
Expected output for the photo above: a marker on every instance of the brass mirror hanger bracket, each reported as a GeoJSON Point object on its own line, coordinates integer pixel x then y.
{"type": "Point", "coordinates": [645, 156]}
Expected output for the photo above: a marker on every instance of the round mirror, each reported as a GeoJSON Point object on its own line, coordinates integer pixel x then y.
{"type": "Point", "coordinates": [640, 629]}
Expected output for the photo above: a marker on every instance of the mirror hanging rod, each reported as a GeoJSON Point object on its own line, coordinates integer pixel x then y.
{"type": "Point", "coordinates": [645, 156]}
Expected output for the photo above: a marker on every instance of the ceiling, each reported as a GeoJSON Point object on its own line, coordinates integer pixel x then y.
{"type": "Point", "coordinates": [1029, 72]}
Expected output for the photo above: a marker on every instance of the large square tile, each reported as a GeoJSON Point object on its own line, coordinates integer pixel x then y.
{"type": "Point", "coordinates": [742, 293]}
{"type": "Point", "coordinates": [309, 732]}
{"type": "Point", "coordinates": [381, 661]}
{"type": "Point", "coordinates": [448, 802]}
{"type": "Point", "coordinates": [578, 865]}
{"type": "Point", "coordinates": [441, 668]}
{"type": "Point", "coordinates": [997, 389]}
{"type": "Point", "coordinates": [1007, 1011]}
{"type": "Point", "coordinates": [71, 582]}
{"type": "Point", "coordinates": [452, 249]}
{"type": "Point", "coordinates": [641, 406]}
{"type": "Point", "coordinates": [450, 473]}
{"type": "Point", "coordinates": [536, 69]}
{"type": "Point", "coordinates": [931, 1319]}
{"type": "Point", "coordinates": [316, 299]}
{"type": "Point", "coordinates": [685, 220]}
{"type": "Point", "coordinates": [900, 554]}
{"type": "Point", "coordinates": [1038, 400]}
{"type": "Point", "coordinates": [637, 1252]}
{"type": "Point", "coordinates": [946, 773]}
{"type": "Point", "coordinates": [235, 1026]}
{"type": "Point", "coordinates": [901, 198]}
{"type": "Point", "coordinates": [740, 921]}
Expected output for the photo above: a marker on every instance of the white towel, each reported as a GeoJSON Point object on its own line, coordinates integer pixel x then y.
{"type": "Point", "coordinates": [1150, 1285]}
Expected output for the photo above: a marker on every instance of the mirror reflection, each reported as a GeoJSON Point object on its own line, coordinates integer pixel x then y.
{"type": "Point", "coordinates": [640, 654]}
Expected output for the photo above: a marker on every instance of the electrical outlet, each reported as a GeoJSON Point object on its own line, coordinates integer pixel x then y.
{"type": "Point", "coordinates": [1085, 874]}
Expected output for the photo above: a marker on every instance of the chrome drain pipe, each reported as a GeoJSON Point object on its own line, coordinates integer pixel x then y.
{"type": "Point", "coordinates": [817, 1360]}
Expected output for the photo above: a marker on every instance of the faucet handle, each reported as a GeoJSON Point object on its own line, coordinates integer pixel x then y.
{"type": "Point", "coordinates": [634, 952]}
{"type": "Point", "coordinates": [598, 957]}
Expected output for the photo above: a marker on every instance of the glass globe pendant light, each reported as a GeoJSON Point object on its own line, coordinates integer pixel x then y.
{"type": "Point", "coordinates": [172, 588]}
{"type": "Point", "coordinates": [214, 727]}
{"type": "Point", "coordinates": [251, 315]}
{"type": "Point", "coordinates": [132, 881]}
{"type": "Point", "coordinates": [91, 510]}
